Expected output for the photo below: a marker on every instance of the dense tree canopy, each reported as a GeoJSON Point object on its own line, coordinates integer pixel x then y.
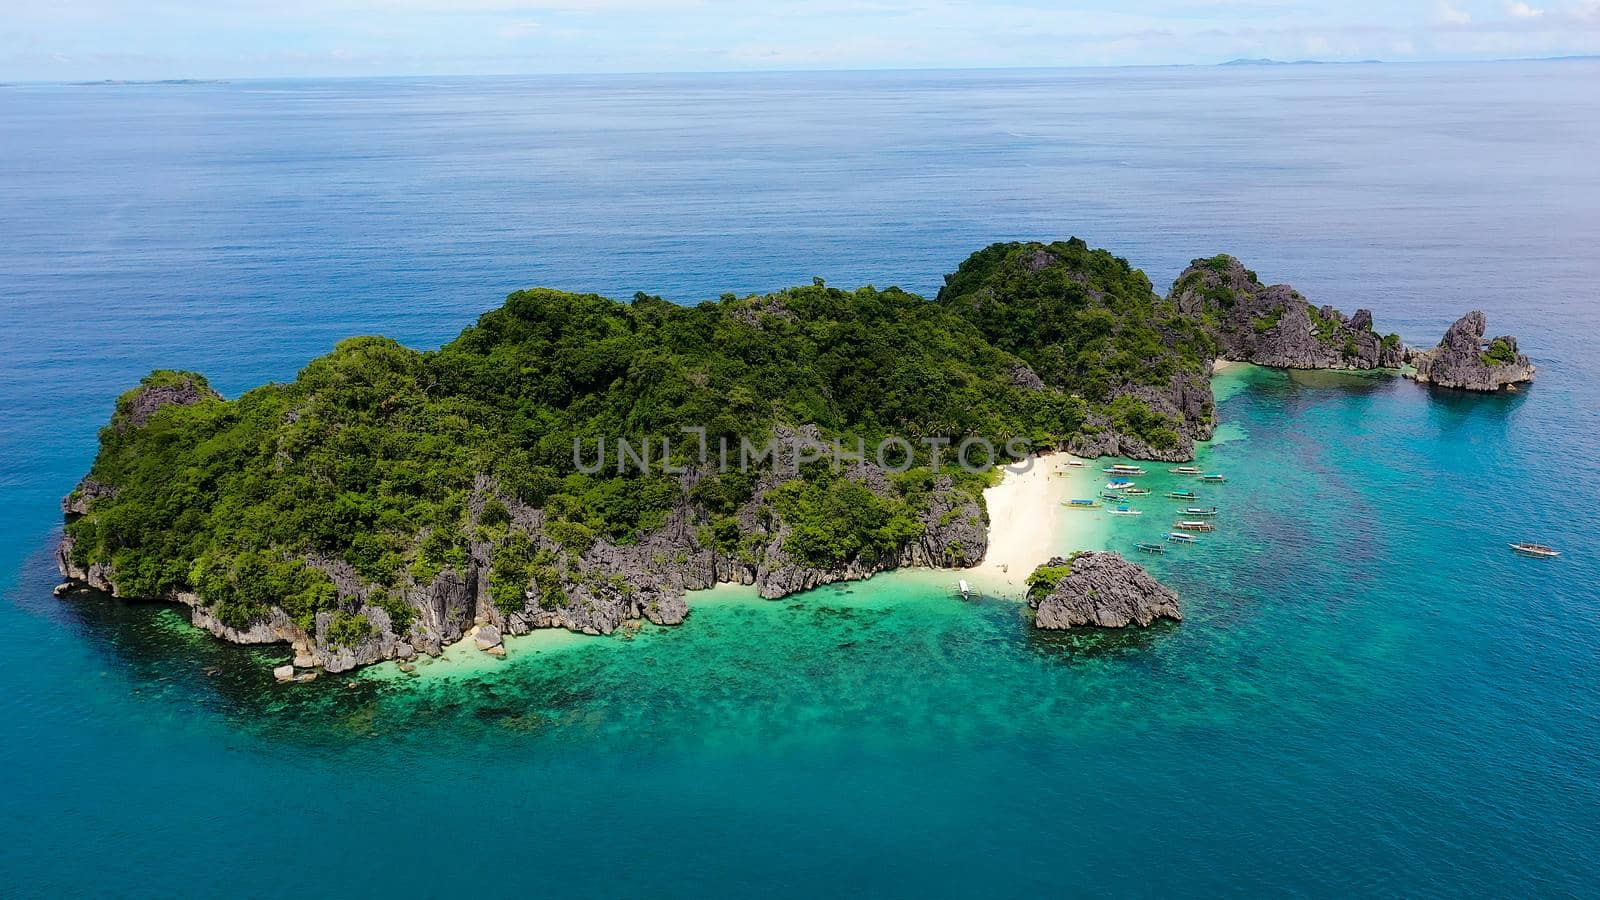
{"type": "Point", "coordinates": [374, 453]}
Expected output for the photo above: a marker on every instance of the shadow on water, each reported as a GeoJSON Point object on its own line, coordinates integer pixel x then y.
{"type": "Point", "coordinates": [1079, 646]}
{"type": "Point", "coordinates": [169, 661]}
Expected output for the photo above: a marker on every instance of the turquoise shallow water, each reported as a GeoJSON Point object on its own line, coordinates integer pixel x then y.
{"type": "Point", "coordinates": [1369, 693]}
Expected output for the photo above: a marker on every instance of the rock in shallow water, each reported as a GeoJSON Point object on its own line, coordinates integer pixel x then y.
{"type": "Point", "coordinates": [1464, 360]}
{"type": "Point", "coordinates": [1098, 588]}
{"type": "Point", "coordinates": [487, 637]}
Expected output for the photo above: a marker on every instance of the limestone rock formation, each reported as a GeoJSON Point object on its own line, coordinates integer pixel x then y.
{"type": "Point", "coordinates": [1274, 325]}
{"type": "Point", "coordinates": [1464, 360]}
{"type": "Point", "coordinates": [158, 390]}
{"type": "Point", "coordinates": [1098, 588]}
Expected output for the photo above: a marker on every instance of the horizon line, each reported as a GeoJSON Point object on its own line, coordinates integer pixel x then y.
{"type": "Point", "coordinates": [1236, 62]}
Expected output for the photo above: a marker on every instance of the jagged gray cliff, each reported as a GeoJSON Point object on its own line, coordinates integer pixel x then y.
{"type": "Point", "coordinates": [1464, 360]}
{"type": "Point", "coordinates": [1100, 589]}
{"type": "Point", "coordinates": [1273, 325]}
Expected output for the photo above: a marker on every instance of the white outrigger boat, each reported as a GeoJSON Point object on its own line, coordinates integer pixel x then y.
{"type": "Point", "coordinates": [1118, 485]}
{"type": "Point", "coordinates": [1120, 469]}
{"type": "Point", "coordinates": [1125, 511]}
{"type": "Point", "coordinates": [1539, 551]}
{"type": "Point", "coordinates": [1185, 470]}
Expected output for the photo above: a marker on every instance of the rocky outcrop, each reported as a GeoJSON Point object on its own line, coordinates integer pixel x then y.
{"type": "Point", "coordinates": [1273, 325]}
{"type": "Point", "coordinates": [1163, 424]}
{"type": "Point", "coordinates": [1464, 360]}
{"type": "Point", "coordinates": [88, 490]}
{"type": "Point", "coordinates": [1100, 589]}
{"type": "Point", "coordinates": [157, 391]}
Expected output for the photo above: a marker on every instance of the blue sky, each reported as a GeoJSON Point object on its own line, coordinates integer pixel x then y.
{"type": "Point", "coordinates": [85, 39]}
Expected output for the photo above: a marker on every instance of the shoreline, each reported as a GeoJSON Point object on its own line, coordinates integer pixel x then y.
{"type": "Point", "coordinates": [1028, 525]}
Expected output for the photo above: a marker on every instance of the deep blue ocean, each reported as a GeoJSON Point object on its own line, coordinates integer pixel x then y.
{"type": "Point", "coordinates": [1369, 695]}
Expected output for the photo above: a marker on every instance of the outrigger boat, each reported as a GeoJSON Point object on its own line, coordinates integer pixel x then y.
{"type": "Point", "coordinates": [1120, 469]}
{"type": "Point", "coordinates": [1178, 537]}
{"type": "Point", "coordinates": [1111, 495]}
{"type": "Point", "coordinates": [1212, 479]}
{"type": "Point", "coordinates": [1185, 470]}
{"type": "Point", "coordinates": [1083, 503]}
{"type": "Point", "coordinates": [1200, 511]}
{"type": "Point", "coordinates": [1125, 511]}
{"type": "Point", "coordinates": [1118, 485]}
{"type": "Point", "coordinates": [1194, 525]}
{"type": "Point", "coordinates": [1536, 550]}
{"type": "Point", "coordinates": [1075, 463]}
{"type": "Point", "coordinates": [1136, 492]}
{"type": "Point", "coordinates": [1181, 495]}
{"type": "Point", "coordinates": [1152, 548]}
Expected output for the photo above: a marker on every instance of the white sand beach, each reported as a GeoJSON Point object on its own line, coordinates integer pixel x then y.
{"type": "Point", "coordinates": [1027, 525]}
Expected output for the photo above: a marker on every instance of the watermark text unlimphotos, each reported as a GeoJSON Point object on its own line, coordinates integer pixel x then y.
{"type": "Point", "coordinates": [791, 451]}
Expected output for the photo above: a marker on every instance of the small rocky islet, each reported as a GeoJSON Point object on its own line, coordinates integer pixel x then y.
{"type": "Point", "coordinates": [1098, 588]}
{"type": "Point", "coordinates": [388, 502]}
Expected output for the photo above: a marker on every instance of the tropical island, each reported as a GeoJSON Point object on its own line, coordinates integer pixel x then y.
{"type": "Point", "coordinates": [388, 502]}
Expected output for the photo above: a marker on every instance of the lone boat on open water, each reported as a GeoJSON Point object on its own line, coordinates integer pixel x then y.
{"type": "Point", "coordinates": [1538, 551]}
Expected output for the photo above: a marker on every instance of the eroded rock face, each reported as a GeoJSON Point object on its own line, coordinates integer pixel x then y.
{"type": "Point", "coordinates": [1185, 401]}
{"type": "Point", "coordinates": [1464, 360]}
{"type": "Point", "coordinates": [1274, 325]}
{"type": "Point", "coordinates": [135, 408]}
{"type": "Point", "coordinates": [87, 491]}
{"type": "Point", "coordinates": [1100, 589]}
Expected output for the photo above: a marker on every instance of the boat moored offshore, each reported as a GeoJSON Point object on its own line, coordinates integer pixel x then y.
{"type": "Point", "coordinates": [1120, 469]}
{"type": "Point", "coordinates": [1181, 495]}
{"type": "Point", "coordinates": [1200, 511]}
{"type": "Point", "coordinates": [1178, 537]}
{"type": "Point", "coordinates": [1213, 479]}
{"type": "Point", "coordinates": [1194, 525]}
{"type": "Point", "coordinates": [1125, 511]}
{"type": "Point", "coordinates": [1185, 470]}
{"type": "Point", "coordinates": [1151, 548]}
{"type": "Point", "coordinates": [1083, 503]}
{"type": "Point", "coordinates": [1538, 551]}
{"type": "Point", "coordinates": [1118, 485]}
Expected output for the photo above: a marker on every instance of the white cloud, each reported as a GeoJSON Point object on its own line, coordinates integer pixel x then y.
{"type": "Point", "coordinates": [1520, 10]}
{"type": "Point", "coordinates": [513, 31]}
{"type": "Point", "coordinates": [1452, 16]}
